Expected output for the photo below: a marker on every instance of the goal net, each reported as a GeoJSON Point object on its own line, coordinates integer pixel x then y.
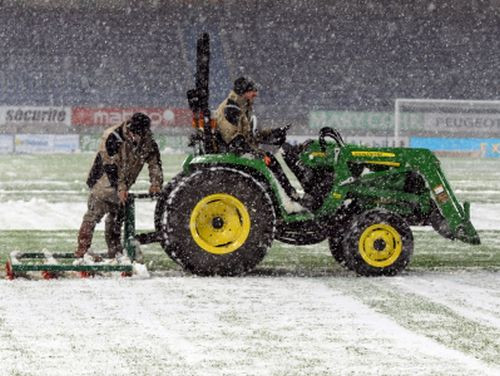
{"type": "Point", "coordinates": [461, 127]}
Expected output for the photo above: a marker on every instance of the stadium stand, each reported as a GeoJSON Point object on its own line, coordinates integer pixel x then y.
{"type": "Point", "coordinates": [305, 55]}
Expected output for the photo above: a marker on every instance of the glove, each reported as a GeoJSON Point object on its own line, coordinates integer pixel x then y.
{"type": "Point", "coordinates": [123, 197]}
{"type": "Point", "coordinates": [279, 134]}
{"type": "Point", "coordinates": [239, 145]}
{"type": "Point", "coordinates": [154, 189]}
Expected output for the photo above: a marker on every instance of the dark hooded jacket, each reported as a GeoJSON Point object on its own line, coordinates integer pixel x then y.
{"type": "Point", "coordinates": [119, 160]}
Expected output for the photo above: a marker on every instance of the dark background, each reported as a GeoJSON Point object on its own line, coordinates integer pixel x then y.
{"type": "Point", "coordinates": [304, 55]}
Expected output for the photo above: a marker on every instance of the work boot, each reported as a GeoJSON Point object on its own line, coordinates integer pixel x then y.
{"type": "Point", "coordinates": [114, 244]}
{"type": "Point", "coordinates": [115, 251]}
{"type": "Point", "coordinates": [84, 238]}
{"type": "Point", "coordinates": [94, 257]}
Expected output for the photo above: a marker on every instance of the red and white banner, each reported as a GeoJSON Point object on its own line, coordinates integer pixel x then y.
{"type": "Point", "coordinates": [160, 117]}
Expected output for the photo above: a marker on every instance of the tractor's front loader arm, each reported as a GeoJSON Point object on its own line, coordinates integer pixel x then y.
{"type": "Point", "coordinates": [456, 216]}
{"type": "Point", "coordinates": [452, 218]}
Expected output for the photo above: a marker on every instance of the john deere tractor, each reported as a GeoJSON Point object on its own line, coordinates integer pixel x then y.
{"type": "Point", "coordinates": [221, 214]}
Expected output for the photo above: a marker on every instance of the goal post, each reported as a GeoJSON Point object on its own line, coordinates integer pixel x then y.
{"type": "Point", "coordinates": [463, 122]}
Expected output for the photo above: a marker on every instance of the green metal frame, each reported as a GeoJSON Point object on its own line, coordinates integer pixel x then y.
{"type": "Point", "coordinates": [129, 226]}
{"type": "Point", "coordinates": [33, 261]}
{"type": "Point", "coordinates": [22, 262]}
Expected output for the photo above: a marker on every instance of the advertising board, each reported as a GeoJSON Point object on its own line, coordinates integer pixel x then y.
{"type": "Point", "coordinates": [166, 143]}
{"type": "Point", "coordinates": [461, 123]}
{"type": "Point", "coordinates": [475, 147]}
{"type": "Point", "coordinates": [6, 143]}
{"type": "Point", "coordinates": [46, 143]}
{"type": "Point", "coordinates": [107, 116]}
{"type": "Point", "coordinates": [26, 115]}
{"type": "Point", "coordinates": [369, 141]}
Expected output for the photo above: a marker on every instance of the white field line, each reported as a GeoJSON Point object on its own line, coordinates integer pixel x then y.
{"type": "Point", "coordinates": [478, 303]}
{"type": "Point", "coordinates": [209, 326]}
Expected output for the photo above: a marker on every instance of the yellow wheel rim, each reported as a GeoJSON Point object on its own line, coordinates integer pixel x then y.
{"type": "Point", "coordinates": [380, 245]}
{"type": "Point", "coordinates": [220, 223]}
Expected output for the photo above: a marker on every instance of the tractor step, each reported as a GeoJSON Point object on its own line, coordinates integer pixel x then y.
{"type": "Point", "coordinates": [52, 265]}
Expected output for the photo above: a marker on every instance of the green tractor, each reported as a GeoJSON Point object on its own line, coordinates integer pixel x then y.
{"type": "Point", "coordinates": [220, 215]}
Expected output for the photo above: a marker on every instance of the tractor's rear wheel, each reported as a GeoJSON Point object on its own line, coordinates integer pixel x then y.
{"type": "Point", "coordinates": [335, 241]}
{"type": "Point", "coordinates": [161, 204]}
{"type": "Point", "coordinates": [377, 243]}
{"type": "Point", "coordinates": [218, 221]}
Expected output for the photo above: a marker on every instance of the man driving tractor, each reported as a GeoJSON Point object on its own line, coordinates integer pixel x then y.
{"type": "Point", "coordinates": [238, 130]}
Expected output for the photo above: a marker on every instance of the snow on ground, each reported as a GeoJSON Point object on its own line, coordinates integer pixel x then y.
{"type": "Point", "coordinates": [419, 323]}
{"type": "Point", "coordinates": [39, 214]}
{"type": "Point", "coordinates": [469, 298]}
{"type": "Point", "coordinates": [182, 325]}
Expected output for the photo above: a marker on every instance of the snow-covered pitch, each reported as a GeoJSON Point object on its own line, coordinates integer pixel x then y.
{"type": "Point", "coordinates": [428, 321]}
{"type": "Point", "coordinates": [418, 324]}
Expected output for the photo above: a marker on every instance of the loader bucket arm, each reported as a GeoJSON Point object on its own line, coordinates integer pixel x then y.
{"type": "Point", "coordinates": [456, 216]}
{"type": "Point", "coordinates": [453, 218]}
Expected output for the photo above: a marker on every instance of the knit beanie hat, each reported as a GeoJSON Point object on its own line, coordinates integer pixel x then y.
{"type": "Point", "coordinates": [139, 123]}
{"type": "Point", "coordinates": [242, 85]}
